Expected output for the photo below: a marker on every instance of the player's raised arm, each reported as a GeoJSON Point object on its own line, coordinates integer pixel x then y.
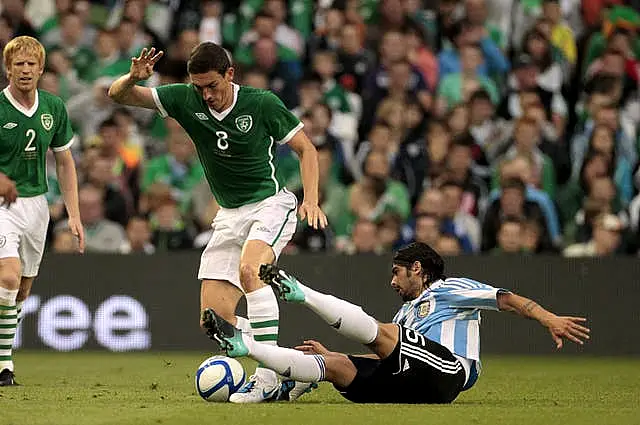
{"type": "Point", "coordinates": [125, 91]}
{"type": "Point", "coordinates": [559, 326]}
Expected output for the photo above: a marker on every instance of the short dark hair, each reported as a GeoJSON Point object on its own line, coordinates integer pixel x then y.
{"type": "Point", "coordinates": [513, 219]}
{"type": "Point", "coordinates": [208, 56]}
{"type": "Point", "coordinates": [480, 94]}
{"type": "Point", "coordinates": [463, 140]}
{"type": "Point", "coordinates": [432, 263]}
{"type": "Point", "coordinates": [109, 122]}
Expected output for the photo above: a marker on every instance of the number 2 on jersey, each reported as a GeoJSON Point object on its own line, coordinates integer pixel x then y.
{"type": "Point", "coordinates": [31, 135]}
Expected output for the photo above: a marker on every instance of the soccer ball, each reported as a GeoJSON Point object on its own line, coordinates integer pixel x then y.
{"type": "Point", "coordinates": [218, 377]}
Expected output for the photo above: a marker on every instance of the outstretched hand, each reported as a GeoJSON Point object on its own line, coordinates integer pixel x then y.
{"type": "Point", "coordinates": [313, 214]}
{"type": "Point", "coordinates": [142, 66]}
{"type": "Point", "coordinates": [312, 347]}
{"type": "Point", "coordinates": [567, 327]}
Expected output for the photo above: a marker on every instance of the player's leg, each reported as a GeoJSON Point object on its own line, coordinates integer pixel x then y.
{"type": "Point", "coordinates": [10, 269]}
{"type": "Point", "coordinates": [296, 365]}
{"type": "Point", "coordinates": [26, 283]}
{"type": "Point", "coordinates": [271, 225]}
{"type": "Point", "coordinates": [346, 318]}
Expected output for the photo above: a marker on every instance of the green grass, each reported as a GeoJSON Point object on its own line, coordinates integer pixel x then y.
{"type": "Point", "coordinates": [99, 388]}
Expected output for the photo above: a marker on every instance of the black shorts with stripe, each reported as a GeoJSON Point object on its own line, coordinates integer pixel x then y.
{"type": "Point", "coordinates": [418, 371]}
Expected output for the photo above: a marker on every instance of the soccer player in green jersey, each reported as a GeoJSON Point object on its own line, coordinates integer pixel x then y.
{"type": "Point", "coordinates": [31, 122]}
{"type": "Point", "coordinates": [235, 130]}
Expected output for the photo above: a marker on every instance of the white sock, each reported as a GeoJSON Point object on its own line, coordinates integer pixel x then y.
{"type": "Point", "coordinates": [346, 318]}
{"type": "Point", "coordinates": [288, 362]}
{"type": "Point", "coordinates": [264, 315]}
{"type": "Point", "coordinates": [8, 324]}
{"type": "Point", "coordinates": [243, 324]}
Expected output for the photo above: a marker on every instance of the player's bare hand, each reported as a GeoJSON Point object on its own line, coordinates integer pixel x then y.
{"type": "Point", "coordinates": [313, 214]}
{"type": "Point", "coordinates": [312, 347]}
{"type": "Point", "coordinates": [142, 66]}
{"type": "Point", "coordinates": [8, 190]}
{"type": "Point", "coordinates": [75, 226]}
{"type": "Point", "coordinates": [571, 328]}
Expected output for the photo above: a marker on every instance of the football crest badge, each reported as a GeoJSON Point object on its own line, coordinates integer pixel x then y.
{"type": "Point", "coordinates": [423, 309]}
{"type": "Point", "coordinates": [244, 123]}
{"type": "Point", "coordinates": [47, 121]}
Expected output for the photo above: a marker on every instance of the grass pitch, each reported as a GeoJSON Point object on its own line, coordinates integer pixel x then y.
{"type": "Point", "coordinates": [152, 388]}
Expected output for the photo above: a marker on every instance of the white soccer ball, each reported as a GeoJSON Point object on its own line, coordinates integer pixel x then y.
{"type": "Point", "coordinates": [218, 377]}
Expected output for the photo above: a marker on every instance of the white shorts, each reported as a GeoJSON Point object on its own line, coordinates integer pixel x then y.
{"type": "Point", "coordinates": [23, 232]}
{"type": "Point", "coordinates": [272, 220]}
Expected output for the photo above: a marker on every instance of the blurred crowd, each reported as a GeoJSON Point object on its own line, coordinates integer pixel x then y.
{"type": "Point", "coordinates": [477, 126]}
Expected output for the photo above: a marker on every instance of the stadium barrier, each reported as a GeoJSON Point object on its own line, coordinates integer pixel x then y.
{"type": "Point", "coordinates": [123, 303]}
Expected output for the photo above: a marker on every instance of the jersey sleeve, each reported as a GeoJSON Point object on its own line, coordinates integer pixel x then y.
{"type": "Point", "coordinates": [467, 293]}
{"type": "Point", "coordinates": [168, 98]}
{"type": "Point", "coordinates": [280, 123]}
{"type": "Point", "coordinates": [63, 137]}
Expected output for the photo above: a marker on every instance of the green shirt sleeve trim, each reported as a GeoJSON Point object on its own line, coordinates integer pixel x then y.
{"type": "Point", "coordinates": [290, 135]}
{"type": "Point", "coordinates": [156, 99]}
{"type": "Point", "coordinates": [66, 146]}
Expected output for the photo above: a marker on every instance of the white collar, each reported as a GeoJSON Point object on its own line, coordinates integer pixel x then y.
{"type": "Point", "coordinates": [222, 115]}
{"type": "Point", "coordinates": [28, 112]}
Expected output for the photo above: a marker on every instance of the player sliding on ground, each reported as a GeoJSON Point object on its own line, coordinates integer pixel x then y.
{"type": "Point", "coordinates": [236, 130]}
{"type": "Point", "coordinates": [429, 354]}
{"type": "Point", "coordinates": [32, 121]}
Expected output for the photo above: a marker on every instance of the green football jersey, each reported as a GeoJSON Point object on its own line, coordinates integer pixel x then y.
{"type": "Point", "coordinates": [25, 136]}
{"type": "Point", "coordinates": [236, 146]}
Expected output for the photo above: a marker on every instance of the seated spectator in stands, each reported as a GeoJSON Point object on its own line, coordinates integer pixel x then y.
{"type": "Point", "coordinates": [448, 246]}
{"type": "Point", "coordinates": [607, 116]}
{"type": "Point", "coordinates": [64, 242]}
{"type": "Point", "coordinates": [427, 229]}
{"type": "Point", "coordinates": [285, 34]}
{"type": "Point", "coordinates": [101, 235]}
{"type": "Point", "coordinates": [510, 237]}
{"type": "Point", "coordinates": [253, 77]}
{"type": "Point", "coordinates": [73, 44]}
{"type": "Point", "coordinates": [101, 176]}
{"type": "Point", "coordinates": [520, 168]}
{"type": "Point", "coordinates": [457, 87]}
{"type": "Point", "coordinates": [489, 131]}
{"type": "Point", "coordinates": [601, 198]}
{"type": "Point", "coordinates": [420, 164]}
{"type": "Point", "coordinates": [169, 231]}
{"type": "Point", "coordinates": [124, 158]}
{"type": "Point", "coordinates": [138, 237]}
{"type": "Point", "coordinates": [462, 170]}
{"type": "Point", "coordinates": [561, 34]}
{"type": "Point", "coordinates": [389, 227]}
{"type": "Point", "coordinates": [603, 141]}
{"type": "Point", "coordinates": [523, 81]}
{"type": "Point", "coordinates": [15, 11]}
{"type": "Point", "coordinates": [333, 94]}
{"type": "Point", "coordinates": [571, 197]}
{"type": "Point", "coordinates": [464, 32]}
{"type": "Point", "coordinates": [456, 221]}
{"type": "Point", "coordinates": [420, 54]}
{"type": "Point", "coordinates": [376, 194]}
{"type": "Point", "coordinates": [554, 72]}
{"type": "Point", "coordinates": [511, 203]}
{"type": "Point", "coordinates": [322, 133]}
{"type": "Point", "coordinates": [476, 12]}
{"type": "Point", "coordinates": [458, 120]}
{"type": "Point", "coordinates": [620, 39]}
{"type": "Point", "coordinates": [109, 62]}
{"type": "Point", "coordinates": [525, 142]}
{"type": "Point", "coordinates": [264, 27]}
{"type": "Point", "coordinates": [414, 122]}
{"type": "Point", "coordinates": [391, 111]}
{"type": "Point", "coordinates": [380, 139]}
{"type": "Point", "coordinates": [531, 239]}
{"type": "Point", "coordinates": [49, 31]}
{"type": "Point", "coordinates": [210, 27]}
{"type": "Point", "coordinates": [364, 238]}
{"type": "Point", "coordinates": [354, 60]}
{"type": "Point", "coordinates": [309, 93]}
{"type": "Point", "coordinates": [69, 84]}
{"type": "Point", "coordinates": [606, 240]}
{"type": "Point", "coordinates": [179, 168]}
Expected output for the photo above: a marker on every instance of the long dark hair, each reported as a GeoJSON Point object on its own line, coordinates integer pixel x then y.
{"type": "Point", "coordinates": [547, 59]}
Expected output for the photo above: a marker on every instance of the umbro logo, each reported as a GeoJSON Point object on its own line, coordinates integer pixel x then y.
{"type": "Point", "coordinates": [202, 116]}
{"type": "Point", "coordinates": [10, 125]}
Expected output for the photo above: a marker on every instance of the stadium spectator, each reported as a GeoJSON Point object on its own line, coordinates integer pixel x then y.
{"type": "Point", "coordinates": [101, 235]}
{"type": "Point", "coordinates": [138, 237]}
{"type": "Point", "coordinates": [354, 60]}
{"type": "Point", "coordinates": [364, 238]}
{"type": "Point", "coordinates": [427, 229]}
{"type": "Point", "coordinates": [510, 237]}
{"type": "Point", "coordinates": [448, 246]}
{"type": "Point", "coordinates": [169, 231]}
{"type": "Point", "coordinates": [64, 242]}
{"type": "Point", "coordinates": [14, 10]}
{"type": "Point", "coordinates": [456, 221]}
{"type": "Point", "coordinates": [100, 174]}
{"type": "Point", "coordinates": [490, 132]}
{"type": "Point", "coordinates": [606, 240]}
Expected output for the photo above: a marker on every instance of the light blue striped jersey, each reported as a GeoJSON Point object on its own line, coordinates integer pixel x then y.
{"type": "Point", "coordinates": [448, 312]}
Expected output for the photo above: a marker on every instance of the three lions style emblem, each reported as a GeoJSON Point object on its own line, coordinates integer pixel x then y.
{"type": "Point", "coordinates": [244, 123]}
